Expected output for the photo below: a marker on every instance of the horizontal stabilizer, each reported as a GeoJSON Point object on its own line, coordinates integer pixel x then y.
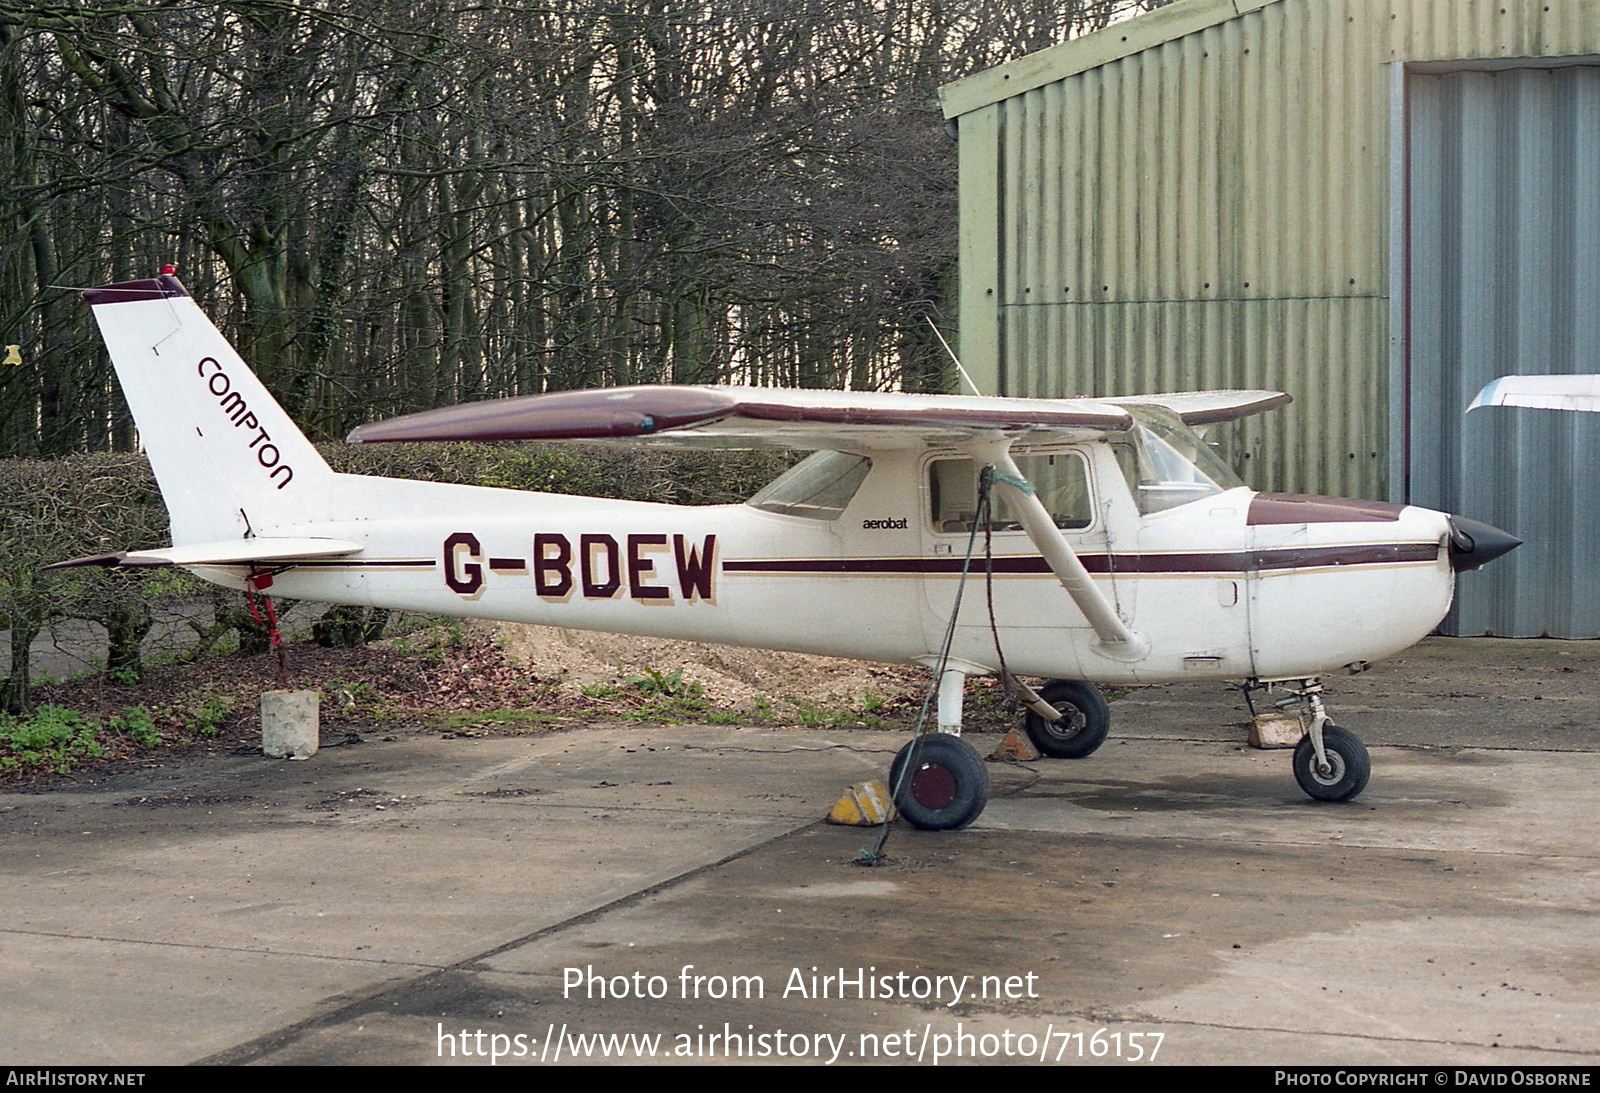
{"type": "Point", "coordinates": [753, 417]}
{"type": "Point", "coordinates": [1541, 393]}
{"type": "Point", "coordinates": [262, 551]}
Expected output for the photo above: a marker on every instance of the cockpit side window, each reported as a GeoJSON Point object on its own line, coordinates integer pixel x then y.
{"type": "Point", "coordinates": [1060, 479]}
{"type": "Point", "coordinates": [819, 487]}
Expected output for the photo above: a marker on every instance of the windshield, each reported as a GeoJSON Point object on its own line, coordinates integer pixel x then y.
{"type": "Point", "coordinates": [818, 487]}
{"type": "Point", "coordinates": [1166, 463]}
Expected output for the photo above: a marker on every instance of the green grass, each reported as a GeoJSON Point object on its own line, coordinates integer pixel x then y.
{"type": "Point", "coordinates": [58, 739]}
{"type": "Point", "coordinates": [865, 713]}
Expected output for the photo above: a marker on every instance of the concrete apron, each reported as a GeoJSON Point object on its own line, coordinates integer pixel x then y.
{"type": "Point", "coordinates": [387, 902]}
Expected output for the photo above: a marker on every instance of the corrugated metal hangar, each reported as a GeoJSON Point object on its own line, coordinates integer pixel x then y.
{"type": "Point", "coordinates": [1375, 205]}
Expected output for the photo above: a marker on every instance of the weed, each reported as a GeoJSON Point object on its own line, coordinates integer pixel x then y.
{"type": "Point", "coordinates": [666, 684]}
{"type": "Point", "coordinates": [207, 716]}
{"type": "Point", "coordinates": [666, 696]}
{"type": "Point", "coordinates": [362, 696]}
{"type": "Point", "coordinates": [433, 640]}
{"type": "Point", "coordinates": [53, 736]}
{"type": "Point", "coordinates": [850, 715]}
{"type": "Point", "coordinates": [136, 724]}
{"type": "Point", "coordinates": [354, 693]}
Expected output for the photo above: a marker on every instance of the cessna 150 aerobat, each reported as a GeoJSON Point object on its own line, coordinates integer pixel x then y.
{"type": "Point", "coordinates": [1120, 549]}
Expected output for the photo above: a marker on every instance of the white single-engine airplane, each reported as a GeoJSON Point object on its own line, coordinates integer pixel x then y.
{"type": "Point", "coordinates": [1116, 548]}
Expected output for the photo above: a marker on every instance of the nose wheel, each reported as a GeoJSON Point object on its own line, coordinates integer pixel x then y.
{"type": "Point", "coordinates": [1344, 770]}
{"type": "Point", "coordinates": [1330, 763]}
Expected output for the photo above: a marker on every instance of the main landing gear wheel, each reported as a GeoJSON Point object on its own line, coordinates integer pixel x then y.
{"type": "Point", "coordinates": [947, 785]}
{"type": "Point", "coordinates": [1348, 768]}
{"type": "Point", "coordinates": [1084, 722]}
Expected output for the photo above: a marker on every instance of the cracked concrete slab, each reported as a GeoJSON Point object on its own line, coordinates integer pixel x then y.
{"type": "Point", "coordinates": [428, 900]}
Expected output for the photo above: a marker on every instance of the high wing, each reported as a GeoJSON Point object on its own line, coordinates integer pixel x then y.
{"type": "Point", "coordinates": [1541, 392]}
{"type": "Point", "coordinates": [1210, 407]}
{"type": "Point", "coordinates": [754, 417]}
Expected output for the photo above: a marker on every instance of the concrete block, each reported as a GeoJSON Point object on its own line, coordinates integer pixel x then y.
{"type": "Point", "coordinates": [290, 721]}
{"type": "Point", "coordinates": [1276, 730]}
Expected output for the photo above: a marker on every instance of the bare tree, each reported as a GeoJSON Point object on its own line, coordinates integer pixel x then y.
{"type": "Point", "coordinates": [396, 205]}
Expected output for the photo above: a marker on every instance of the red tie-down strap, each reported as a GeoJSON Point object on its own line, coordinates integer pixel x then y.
{"type": "Point", "coordinates": [253, 585]}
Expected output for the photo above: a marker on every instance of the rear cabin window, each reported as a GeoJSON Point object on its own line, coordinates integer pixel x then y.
{"type": "Point", "coordinates": [818, 487]}
{"type": "Point", "coordinates": [1061, 481]}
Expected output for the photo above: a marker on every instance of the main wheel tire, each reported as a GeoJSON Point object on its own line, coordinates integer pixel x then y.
{"type": "Point", "coordinates": [1349, 765]}
{"type": "Point", "coordinates": [947, 785]}
{"type": "Point", "coordinates": [1084, 722]}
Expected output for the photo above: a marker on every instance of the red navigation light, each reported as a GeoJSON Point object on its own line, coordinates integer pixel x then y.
{"type": "Point", "coordinates": [168, 269]}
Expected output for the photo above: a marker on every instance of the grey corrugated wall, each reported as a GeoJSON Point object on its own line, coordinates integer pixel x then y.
{"type": "Point", "coordinates": [1504, 198]}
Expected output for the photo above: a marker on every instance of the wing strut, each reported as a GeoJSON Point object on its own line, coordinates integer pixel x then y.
{"type": "Point", "coordinates": [1116, 641]}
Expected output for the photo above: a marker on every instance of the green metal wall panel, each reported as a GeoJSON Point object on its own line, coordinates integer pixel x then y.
{"type": "Point", "coordinates": [1322, 350]}
{"type": "Point", "coordinates": [979, 242]}
{"type": "Point", "coordinates": [1204, 200]}
{"type": "Point", "coordinates": [1454, 30]}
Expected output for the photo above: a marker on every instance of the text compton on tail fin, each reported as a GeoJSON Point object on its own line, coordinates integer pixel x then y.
{"type": "Point", "coordinates": [228, 459]}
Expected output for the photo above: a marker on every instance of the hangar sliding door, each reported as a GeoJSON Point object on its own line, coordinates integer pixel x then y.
{"type": "Point", "coordinates": [1503, 277]}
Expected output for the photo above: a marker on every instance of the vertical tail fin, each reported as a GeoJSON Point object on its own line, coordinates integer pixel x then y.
{"type": "Point", "coordinates": [228, 460]}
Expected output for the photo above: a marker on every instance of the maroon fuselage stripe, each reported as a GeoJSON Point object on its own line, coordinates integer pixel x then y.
{"type": "Point", "coordinates": [1231, 561]}
{"type": "Point", "coordinates": [1241, 561]}
{"type": "Point", "coordinates": [358, 563]}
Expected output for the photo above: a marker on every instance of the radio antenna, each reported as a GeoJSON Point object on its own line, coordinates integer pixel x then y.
{"type": "Point", "coordinates": [953, 357]}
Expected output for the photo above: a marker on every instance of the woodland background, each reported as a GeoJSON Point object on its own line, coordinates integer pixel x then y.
{"type": "Point", "coordinates": [395, 205]}
{"type": "Point", "coordinates": [390, 206]}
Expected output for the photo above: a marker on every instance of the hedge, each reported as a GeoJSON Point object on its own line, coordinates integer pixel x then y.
{"type": "Point", "coordinates": [51, 510]}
